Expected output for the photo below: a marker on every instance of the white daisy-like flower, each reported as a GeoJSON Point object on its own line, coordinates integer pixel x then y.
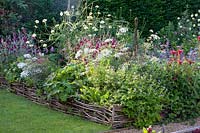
{"type": "Point", "coordinates": [44, 20]}
{"type": "Point", "coordinates": [24, 74]}
{"type": "Point", "coordinates": [72, 7]}
{"type": "Point", "coordinates": [198, 20]}
{"type": "Point", "coordinates": [187, 20]}
{"type": "Point", "coordinates": [89, 17]}
{"type": "Point", "coordinates": [78, 54]}
{"type": "Point", "coordinates": [90, 24]}
{"type": "Point", "coordinates": [34, 35]}
{"type": "Point", "coordinates": [44, 45]}
{"type": "Point", "coordinates": [21, 65]}
{"type": "Point", "coordinates": [31, 45]}
{"type": "Point", "coordinates": [110, 26]}
{"type": "Point", "coordinates": [109, 15]}
{"type": "Point", "coordinates": [35, 26]}
{"type": "Point", "coordinates": [198, 11]}
{"type": "Point", "coordinates": [41, 41]}
{"type": "Point", "coordinates": [57, 25]}
{"type": "Point", "coordinates": [98, 13]}
{"type": "Point", "coordinates": [27, 42]}
{"type": "Point", "coordinates": [61, 13]}
{"type": "Point", "coordinates": [180, 26]}
{"type": "Point", "coordinates": [85, 27]}
{"type": "Point", "coordinates": [151, 30]}
{"type": "Point", "coordinates": [123, 29]}
{"type": "Point", "coordinates": [27, 56]}
{"type": "Point", "coordinates": [37, 21]}
{"type": "Point", "coordinates": [192, 15]}
{"type": "Point", "coordinates": [196, 15]}
{"type": "Point", "coordinates": [108, 40]}
{"type": "Point", "coordinates": [102, 22]}
{"type": "Point", "coordinates": [96, 6]}
{"type": "Point", "coordinates": [67, 13]}
{"type": "Point", "coordinates": [194, 25]}
{"type": "Point", "coordinates": [90, 13]}
{"type": "Point", "coordinates": [52, 31]}
{"type": "Point", "coordinates": [178, 18]}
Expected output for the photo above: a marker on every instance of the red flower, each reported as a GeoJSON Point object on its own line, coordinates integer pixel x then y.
{"type": "Point", "coordinates": [198, 38]}
{"type": "Point", "coordinates": [179, 62]}
{"type": "Point", "coordinates": [173, 52]}
{"type": "Point", "coordinates": [180, 51]}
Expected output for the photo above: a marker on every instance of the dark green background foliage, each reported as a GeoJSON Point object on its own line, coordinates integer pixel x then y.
{"type": "Point", "coordinates": [17, 13]}
{"type": "Point", "coordinates": [152, 14]}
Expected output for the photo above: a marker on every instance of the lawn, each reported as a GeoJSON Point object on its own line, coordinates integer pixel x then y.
{"type": "Point", "coordinates": [18, 115]}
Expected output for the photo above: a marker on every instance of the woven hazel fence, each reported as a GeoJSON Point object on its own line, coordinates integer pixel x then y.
{"type": "Point", "coordinates": [110, 116]}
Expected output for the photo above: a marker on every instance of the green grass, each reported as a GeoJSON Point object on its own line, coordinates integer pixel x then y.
{"type": "Point", "coordinates": [19, 115]}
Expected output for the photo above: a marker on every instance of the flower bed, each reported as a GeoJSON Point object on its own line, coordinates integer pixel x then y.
{"type": "Point", "coordinates": [109, 116]}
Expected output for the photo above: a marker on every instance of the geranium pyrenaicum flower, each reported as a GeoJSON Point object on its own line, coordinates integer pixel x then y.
{"type": "Point", "coordinates": [173, 52]}
{"type": "Point", "coordinates": [198, 38]}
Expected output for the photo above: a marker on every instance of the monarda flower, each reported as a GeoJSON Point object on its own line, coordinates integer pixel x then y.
{"type": "Point", "coordinates": [179, 51]}
{"type": "Point", "coordinates": [198, 38]}
{"type": "Point", "coordinates": [173, 52]}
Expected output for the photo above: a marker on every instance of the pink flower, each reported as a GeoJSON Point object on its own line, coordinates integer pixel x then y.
{"type": "Point", "coordinates": [198, 38]}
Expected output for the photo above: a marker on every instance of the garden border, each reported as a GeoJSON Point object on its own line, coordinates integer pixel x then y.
{"type": "Point", "coordinates": [113, 116]}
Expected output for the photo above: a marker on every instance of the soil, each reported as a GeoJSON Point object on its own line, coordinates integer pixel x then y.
{"type": "Point", "coordinates": [169, 128]}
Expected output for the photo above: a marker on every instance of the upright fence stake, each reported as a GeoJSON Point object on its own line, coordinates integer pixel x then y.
{"type": "Point", "coordinates": [135, 44]}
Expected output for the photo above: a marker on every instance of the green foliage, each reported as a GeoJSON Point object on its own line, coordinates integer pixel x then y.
{"type": "Point", "coordinates": [182, 85]}
{"type": "Point", "coordinates": [65, 82]}
{"type": "Point", "coordinates": [152, 14]}
{"type": "Point", "coordinates": [12, 73]}
{"type": "Point", "coordinates": [142, 98]}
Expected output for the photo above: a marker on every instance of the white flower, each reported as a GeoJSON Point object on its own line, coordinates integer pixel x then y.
{"type": "Point", "coordinates": [90, 24]}
{"type": "Point", "coordinates": [27, 56]}
{"type": "Point", "coordinates": [101, 26]}
{"type": "Point", "coordinates": [104, 53]}
{"type": "Point", "coordinates": [94, 28]}
{"type": "Point", "coordinates": [154, 59]}
{"type": "Point", "coordinates": [155, 37]}
{"type": "Point", "coordinates": [102, 22]}
{"type": "Point", "coordinates": [61, 13]}
{"type": "Point", "coordinates": [37, 21]}
{"type": "Point", "coordinates": [90, 13]}
{"type": "Point", "coordinates": [52, 31]}
{"type": "Point", "coordinates": [98, 13]}
{"type": "Point", "coordinates": [67, 13]}
{"type": "Point", "coordinates": [92, 50]}
{"type": "Point", "coordinates": [44, 20]}
{"type": "Point", "coordinates": [108, 40]}
{"type": "Point", "coordinates": [34, 35]}
{"type": "Point", "coordinates": [24, 74]}
{"type": "Point", "coordinates": [192, 15]}
{"type": "Point", "coordinates": [85, 27]}
{"type": "Point", "coordinates": [110, 27]}
{"type": "Point", "coordinates": [178, 18]}
{"type": "Point", "coordinates": [198, 24]}
{"type": "Point", "coordinates": [198, 11]}
{"type": "Point", "coordinates": [124, 49]}
{"type": "Point", "coordinates": [90, 35]}
{"type": "Point", "coordinates": [118, 55]}
{"type": "Point", "coordinates": [151, 30]}
{"type": "Point", "coordinates": [196, 15]}
{"type": "Point", "coordinates": [78, 54]}
{"type": "Point", "coordinates": [41, 41]}
{"type": "Point", "coordinates": [57, 25]}
{"type": "Point", "coordinates": [188, 20]}
{"type": "Point", "coordinates": [193, 18]}
{"type": "Point", "coordinates": [96, 6]}
{"type": "Point", "coordinates": [72, 7]}
{"type": "Point", "coordinates": [44, 45]}
{"type": "Point", "coordinates": [21, 65]}
{"type": "Point", "coordinates": [35, 26]}
{"type": "Point", "coordinates": [41, 54]}
{"type": "Point", "coordinates": [27, 42]}
{"type": "Point", "coordinates": [194, 25]}
{"type": "Point", "coordinates": [123, 29]}
{"type": "Point", "coordinates": [190, 28]}
{"type": "Point", "coordinates": [86, 50]}
{"type": "Point", "coordinates": [180, 26]}
{"type": "Point", "coordinates": [198, 20]}
{"type": "Point", "coordinates": [31, 45]}
{"type": "Point", "coordinates": [34, 58]}
{"type": "Point", "coordinates": [109, 15]}
{"type": "Point", "coordinates": [89, 17]}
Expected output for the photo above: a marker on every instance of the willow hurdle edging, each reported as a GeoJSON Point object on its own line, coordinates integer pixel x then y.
{"type": "Point", "coordinates": [109, 116]}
